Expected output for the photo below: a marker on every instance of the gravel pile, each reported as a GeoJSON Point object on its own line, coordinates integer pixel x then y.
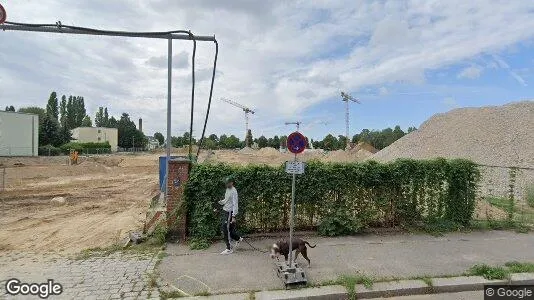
{"type": "Point", "coordinates": [493, 135]}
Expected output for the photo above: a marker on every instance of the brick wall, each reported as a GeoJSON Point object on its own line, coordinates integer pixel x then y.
{"type": "Point", "coordinates": [178, 176]}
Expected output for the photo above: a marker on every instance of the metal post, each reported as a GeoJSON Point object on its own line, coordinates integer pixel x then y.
{"type": "Point", "coordinates": [347, 123]}
{"type": "Point", "coordinates": [169, 79]}
{"type": "Point", "coordinates": [247, 142]}
{"type": "Point", "coordinates": [291, 220]}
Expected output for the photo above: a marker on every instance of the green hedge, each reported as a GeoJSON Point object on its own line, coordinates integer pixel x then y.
{"type": "Point", "coordinates": [49, 150]}
{"type": "Point", "coordinates": [336, 199]}
{"type": "Point", "coordinates": [86, 148]}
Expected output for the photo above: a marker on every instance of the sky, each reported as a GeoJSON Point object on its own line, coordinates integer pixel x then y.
{"type": "Point", "coordinates": [287, 60]}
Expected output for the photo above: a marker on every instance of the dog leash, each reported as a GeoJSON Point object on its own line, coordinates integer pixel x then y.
{"type": "Point", "coordinates": [262, 251]}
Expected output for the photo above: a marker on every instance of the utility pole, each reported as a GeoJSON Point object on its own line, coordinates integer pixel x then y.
{"type": "Point", "coordinates": [346, 98]}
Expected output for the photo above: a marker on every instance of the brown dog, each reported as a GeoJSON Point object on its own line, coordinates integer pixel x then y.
{"type": "Point", "coordinates": [299, 246]}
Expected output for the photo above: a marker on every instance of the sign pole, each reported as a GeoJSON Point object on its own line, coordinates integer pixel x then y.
{"type": "Point", "coordinates": [292, 221]}
{"type": "Point", "coordinates": [289, 272]}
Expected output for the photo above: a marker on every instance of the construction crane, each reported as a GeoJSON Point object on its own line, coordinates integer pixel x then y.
{"type": "Point", "coordinates": [346, 98]}
{"type": "Point", "coordinates": [245, 109]}
{"type": "Point", "coordinates": [294, 123]}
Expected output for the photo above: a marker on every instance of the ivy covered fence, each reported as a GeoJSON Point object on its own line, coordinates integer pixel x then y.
{"type": "Point", "coordinates": [336, 199]}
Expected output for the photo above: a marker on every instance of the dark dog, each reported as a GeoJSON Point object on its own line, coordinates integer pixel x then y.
{"type": "Point", "coordinates": [299, 246]}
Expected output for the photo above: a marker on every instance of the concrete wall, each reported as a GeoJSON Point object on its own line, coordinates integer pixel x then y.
{"type": "Point", "coordinates": [19, 134]}
{"type": "Point", "coordinates": [96, 135]}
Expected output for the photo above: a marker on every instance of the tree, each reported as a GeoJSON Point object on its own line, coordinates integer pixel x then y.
{"type": "Point", "coordinates": [113, 123]}
{"type": "Point", "coordinates": [86, 122]}
{"type": "Point", "coordinates": [262, 142]}
{"type": "Point", "coordinates": [341, 142]}
{"type": "Point", "coordinates": [70, 117]}
{"type": "Point", "coordinates": [33, 110]}
{"type": "Point", "coordinates": [79, 111]}
{"type": "Point", "coordinates": [222, 141]}
{"type": "Point", "coordinates": [411, 129]}
{"type": "Point", "coordinates": [158, 136]}
{"type": "Point", "coordinates": [106, 118]}
{"type": "Point", "coordinates": [63, 111]}
{"type": "Point", "coordinates": [10, 108]}
{"type": "Point", "coordinates": [330, 143]}
{"type": "Point", "coordinates": [276, 142]}
{"type": "Point", "coordinates": [283, 141]}
{"type": "Point", "coordinates": [49, 133]}
{"type": "Point", "coordinates": [99, 118]}
{"type": "Point", "coordinates": [232, 142]}
{"type": "Point", "coordinates": [129, 136]}
{"type": "Point", "coordinates": [210, 144]}
{"type": "Point", "coordinates": [52, 106]}
{"type": "Point", "coordinates": [248, 138]}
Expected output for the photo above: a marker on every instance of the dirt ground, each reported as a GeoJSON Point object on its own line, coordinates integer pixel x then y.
{"type": "Point", "coordinates": [104, 198]}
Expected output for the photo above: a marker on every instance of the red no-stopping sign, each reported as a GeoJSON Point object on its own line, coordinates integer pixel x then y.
{"type": "Point", "coordinates": [296, 142]}
{"type": "Point", "coordinates": [3, 14]}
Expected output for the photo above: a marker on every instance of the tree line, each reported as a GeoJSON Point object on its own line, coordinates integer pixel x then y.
{"type": "Point", "coordinates": [377, 138]}
{"type": "Point", "coordinates": [58, 118]}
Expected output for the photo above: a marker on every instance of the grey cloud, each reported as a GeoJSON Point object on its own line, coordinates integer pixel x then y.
{"type": "Point", "coordinates": [179, 61]}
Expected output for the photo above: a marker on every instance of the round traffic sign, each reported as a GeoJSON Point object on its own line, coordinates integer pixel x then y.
{"type": "Point", "coordinates": [3, 14]}
{"type": "Point", "coordinates": [296, 142]}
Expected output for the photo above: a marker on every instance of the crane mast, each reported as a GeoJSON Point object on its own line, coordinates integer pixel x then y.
{"type": "Point", "coordinates": [346, 98]}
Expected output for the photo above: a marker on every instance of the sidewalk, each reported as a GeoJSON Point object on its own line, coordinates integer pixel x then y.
{"type": "Point", "coordinates": [400, 256]}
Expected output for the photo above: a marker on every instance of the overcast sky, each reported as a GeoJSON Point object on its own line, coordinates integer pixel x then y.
{"type": "Point", "coordinates": [288, 60]}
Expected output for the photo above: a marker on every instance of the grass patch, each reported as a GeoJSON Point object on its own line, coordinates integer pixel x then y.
{"type": "Point", "coordinates": [529, 194]}
{"type": "Point", "coordinates": [519, 267]}
{"type": "Point", "coordinates": [427, 280]}
{"type": "Point", "coordinates": [98, 252]}
{"type": "Point", "coordinates": [199, 243]}
{"type": "Point", "coordinates": [488, 272]}
{"type": "Point", "coordinates": [350, 282]}
{"type": "Point", "coordinates": [171, 295]}
{"type": "Point", "coordinates": [500, 202]}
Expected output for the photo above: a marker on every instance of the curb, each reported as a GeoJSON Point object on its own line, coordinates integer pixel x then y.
{"type": "Point", "coordinates": [383, 289]}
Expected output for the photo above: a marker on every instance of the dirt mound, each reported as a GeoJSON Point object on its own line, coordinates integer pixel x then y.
{"type": "Point", "coordinates": [487, 135]}
{"type": "Point", "coordinates": [365, 146]}
{"type": "Point", "coordinates": [246, 150]}
{"type": "Point", "coordinates": [352, 155]}
{"type": "Point", "coordinates": [268, 151]}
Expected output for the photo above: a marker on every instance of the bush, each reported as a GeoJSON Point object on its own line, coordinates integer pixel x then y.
{"type": "Point", "coordinates": [336, 198]}
{"type": "Point", "coordinates": [86, 148]}
{"type": "Point", "coordinates": [49, 150]}
{"type": "Point", "coordinates": [339, 223]}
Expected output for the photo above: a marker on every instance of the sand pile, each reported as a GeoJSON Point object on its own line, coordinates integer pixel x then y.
{"type": "Point", "coordinates": [365, 146]}
{"type": "Point", "coordinates": [352, 155]}
{"type": "Point", "coordinates": [246, 150]}
{"type": "Point", "coordinates": [501, 135]}
{"type": "Point", "coordinates": [493, 135]}
{"type": "Point", "coordinates": [269, 151]}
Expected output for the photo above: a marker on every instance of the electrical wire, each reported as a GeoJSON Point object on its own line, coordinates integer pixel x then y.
{"type": "Point", "coordinates": [157, 33]}
{"type": "Point", "coordinates": [192, 99]}
{"type": "Point", "coordinates": [210, 97]}
{"type": "Point", "coordinates": [133, 33]}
